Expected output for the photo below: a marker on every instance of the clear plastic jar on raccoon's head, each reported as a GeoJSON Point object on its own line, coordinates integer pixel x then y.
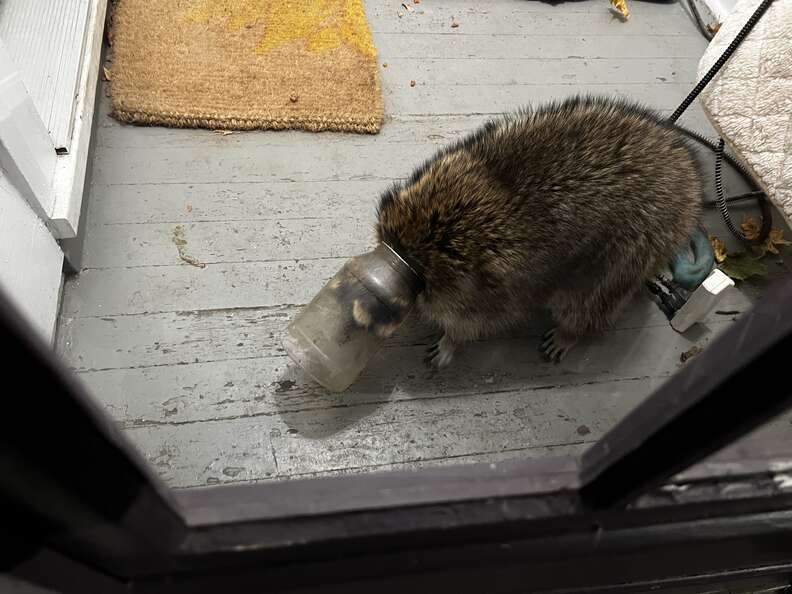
{"type": "Point", "coordinates": [334, 337]}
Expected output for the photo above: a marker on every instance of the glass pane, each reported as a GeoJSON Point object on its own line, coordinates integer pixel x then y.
{"type": "Point", "coordinates": [766, 449]}
{"type": "Point", "coordinates": [201, 248]}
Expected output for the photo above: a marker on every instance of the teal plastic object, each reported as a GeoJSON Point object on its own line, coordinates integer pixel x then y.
{"type": "Point", "coordinates": [688, 273]}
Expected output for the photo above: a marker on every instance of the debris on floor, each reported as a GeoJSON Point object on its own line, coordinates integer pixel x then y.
{"type": "Point", "coordinates": [690, 353]}
{"type": "Point", "coordinates": [181, 244]}
{"type": "Point", "coordinates": [621, 7]}
{"type": "Point", "coordinates": [223, 132]}
{"type": "Point", "coordinates": [454, 23]}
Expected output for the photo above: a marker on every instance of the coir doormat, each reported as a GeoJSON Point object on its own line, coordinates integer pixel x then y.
{"type": "Point", "coordinates": [245, 64]}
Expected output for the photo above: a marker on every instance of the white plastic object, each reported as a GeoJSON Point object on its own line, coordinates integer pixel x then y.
{"type": "Point", "coordinates": [702, 301]}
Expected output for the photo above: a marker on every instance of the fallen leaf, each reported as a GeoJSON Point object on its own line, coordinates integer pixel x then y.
{"type": "Point", "coordinates": [750, 227]}
{"type": "Point", "coordinates": [621, 6]}
{"type": "Point", "coordinates": [412, 83]}
{"type": "Point", "coordinates": [742, 266]}
{"type": "Point", "coordinates": [181, 242]}
{"type": "Point", "coordinates": [223, 132]}
{"type": "Point", "coordinates": [714, 27]}
{"type": "Point", "coordinates": [192, 261]}
{"type": "Point", "coordinates": [454, 24]}
{"type": "Point", "coordinates": [774, 240]}
{"type": "Point", "coordinates": [718, 248]}
{"type": "Point", "coordinates": [106, 72]}
{"type": "Point", "coordinates": [690, 353]}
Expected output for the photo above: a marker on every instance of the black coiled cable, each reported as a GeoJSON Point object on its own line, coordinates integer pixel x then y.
{"type": "Point", "coordinates": [767, 215]}
{"type": "Point", "coordinates": [720, 154]}
{"type": "Point", "coordinates": [754, 18]}
{"type": "Point", "coordinates": [713, 146]}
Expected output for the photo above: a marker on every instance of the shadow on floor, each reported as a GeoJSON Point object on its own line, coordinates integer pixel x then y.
{"type": "Point", "coordinates": [643, 345]}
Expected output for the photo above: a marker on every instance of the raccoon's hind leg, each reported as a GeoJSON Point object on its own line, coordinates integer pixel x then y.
{"type": "Point", "coordinates": [557, 343]}
{"type": "Point", "coordinates": [441, 353]}
{"type": "Point", "coordinates": [580, 312]}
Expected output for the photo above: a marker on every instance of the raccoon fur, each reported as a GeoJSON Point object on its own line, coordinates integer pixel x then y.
{"type": "Point", "coordinates": [570, 206]}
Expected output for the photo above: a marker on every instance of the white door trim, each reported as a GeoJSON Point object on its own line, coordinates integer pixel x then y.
{"type": "Point", "coordinates": [26, 151]}
{"type": "Point", "coordinates": [69, 182]}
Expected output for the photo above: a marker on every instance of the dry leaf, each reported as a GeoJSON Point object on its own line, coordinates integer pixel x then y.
{"type": "Point", "coordinates": [714, 27]}
{"type": "Point", "coordinates": [621, 6]}
{"type": "Point", "coordinates": [181, 245]}
{"type": "Point", "coordinates": [412, 83]}
{"type": "Point", "coordinates": [454, 24]}
{"type": "Point", "coordinates": [750, 227]}
{"type": "Point", "coordinates": [106, 72]}
{"type": "Point", "coordinates": [774, 240]}
{"type": "Point", "coordinates": [223, 132]}
{"type": "Point", "coordinates": [690, 353]}
{"type": "Point", "coordinates": [718, 248]}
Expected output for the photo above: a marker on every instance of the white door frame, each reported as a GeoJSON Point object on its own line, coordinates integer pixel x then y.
{"type": "Point", "coordinates": [26, 151]}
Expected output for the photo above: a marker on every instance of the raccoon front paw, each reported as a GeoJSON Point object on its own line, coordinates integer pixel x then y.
{"type": "Point", "coordinates": [441, 353]}
{"type": "Point", "coordinates": [556, 344]}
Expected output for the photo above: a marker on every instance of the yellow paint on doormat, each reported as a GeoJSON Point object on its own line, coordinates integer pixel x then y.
{"type": "Point", "coordinates": [245, 64]}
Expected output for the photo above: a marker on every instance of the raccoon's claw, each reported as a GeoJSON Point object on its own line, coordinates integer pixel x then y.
{"type": "Point", "coordinates": [431, 353]}
{"type": "Point", "coordinates": [440, 354]}
{"type": "Point", "coordinates": [556, 345]}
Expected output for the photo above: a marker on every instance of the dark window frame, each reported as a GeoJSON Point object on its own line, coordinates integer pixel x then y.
{"type": "Point", "coordinates": [84, 513]}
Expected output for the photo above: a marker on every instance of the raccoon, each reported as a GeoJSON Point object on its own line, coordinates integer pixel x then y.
{"type": "Point", "coordinates": [571, 206]}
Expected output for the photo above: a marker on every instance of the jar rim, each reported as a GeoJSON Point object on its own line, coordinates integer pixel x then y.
{"type": "Point", "coordinates": [411, 267]}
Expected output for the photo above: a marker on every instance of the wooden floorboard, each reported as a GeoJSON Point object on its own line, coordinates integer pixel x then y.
{"type": "Point", "coordinates": [188, 359]}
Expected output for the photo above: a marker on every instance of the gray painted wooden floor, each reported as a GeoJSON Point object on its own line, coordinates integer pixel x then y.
{"type": "Point", "coordinates": [188, 359]}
